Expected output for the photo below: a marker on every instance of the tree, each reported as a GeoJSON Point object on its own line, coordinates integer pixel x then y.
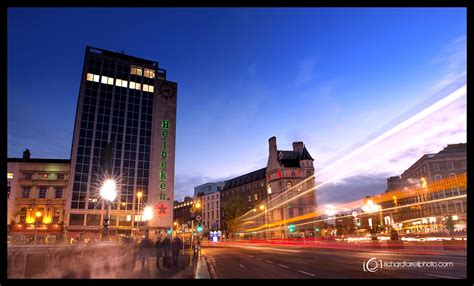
{"type": "Point", "coordinates": [449, 224]}
{"type": "Point", "coordinates": [233, 209]}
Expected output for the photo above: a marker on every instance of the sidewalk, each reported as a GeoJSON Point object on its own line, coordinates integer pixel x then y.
{"type": "Point", "coordinates": [150, 271]}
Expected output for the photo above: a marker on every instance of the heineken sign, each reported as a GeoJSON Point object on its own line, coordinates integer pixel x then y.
{"type": "Point", "coordinates": [165, 124]}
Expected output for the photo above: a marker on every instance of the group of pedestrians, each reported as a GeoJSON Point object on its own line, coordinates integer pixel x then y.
{"type": "Point", "coordinates": [162, 248]}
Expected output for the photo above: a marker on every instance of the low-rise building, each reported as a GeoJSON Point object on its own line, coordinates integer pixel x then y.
{"type": "Point", "coordinates": [436, 181]}
{"type": "Point", "coordinates": [211, 211]}
{"type": "Point", "coordinates": [37, 191]}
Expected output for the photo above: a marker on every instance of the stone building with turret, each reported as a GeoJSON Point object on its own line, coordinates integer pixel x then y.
{"type": "Point", "coordinates": [279, 180]}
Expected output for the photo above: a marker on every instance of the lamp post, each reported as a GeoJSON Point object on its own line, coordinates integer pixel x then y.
{"type": "Point", "coordinates": [108, 192]}
{"type": "Point", "coordinates": [139, 196]}
{"type": "Point", "coordinates": [264, 208]}
{"type": "Point", "coordinates": [370, 207]}
{"type": "Point", "coordinates": [38, 215]}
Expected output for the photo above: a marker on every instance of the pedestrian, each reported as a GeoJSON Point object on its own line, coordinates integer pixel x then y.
{"type": "Point", "coordinates": [159, 250]}
{"type": "Point", "coordinates": [175, 248]}
{"type": "Point", "coordinates": [166, 246]}
{"type": "Point", "coordinates": [145, 249]}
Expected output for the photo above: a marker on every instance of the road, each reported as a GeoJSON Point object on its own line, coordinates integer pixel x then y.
{"type": "Point", "coordinates": [234, 260]}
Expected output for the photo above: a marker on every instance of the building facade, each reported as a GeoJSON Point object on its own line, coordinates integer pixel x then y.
{"type": "Point", "coordinates": [429, 174]}
{"type": "Point", "coordinates": [211, 211]}
{"type": "Point", "coordinates": [208, 188]}
{"type": "Point", "coordinates": [282, 177]}
{"type": "Point", "coordinates": [37, 191]}
{"type": "Point", "coordinates": [125, 130]}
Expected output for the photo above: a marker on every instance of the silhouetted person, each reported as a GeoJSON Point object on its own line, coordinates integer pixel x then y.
{"type": "Point", "coordinates": [176, 246]}
{"type": "Point", "coordinates": [166, 246]}
{"type": "Point", "coordinates": [144, 249]}
{"type": "Point", "coordinates": [159, 250]}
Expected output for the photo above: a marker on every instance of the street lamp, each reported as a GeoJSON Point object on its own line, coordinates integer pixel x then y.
{"type": "Point", "coordinates": [263, 208]}
{"type": "Point", "coordinates": [147, 215]}
{"type": "Point", "coordinates": [139, 196]}
{"type": "Point", "coordinates": [371, 207]}
{"type": "Point", "coordinates": [38, 215]}
{"type": "Point", "coordinates": [108, 192]}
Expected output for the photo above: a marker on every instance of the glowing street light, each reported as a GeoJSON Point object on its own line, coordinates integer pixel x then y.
{"type": "Point", "coordinates": [108, 192]}
{"type": "Point", "coordinates": [139, 196]}
{"type": "Point", "coordinates": [262, 207]}
{"type": "Point", "coordinates": [38, 215]}
{"type": "Point", "coordinates": [148, 213]}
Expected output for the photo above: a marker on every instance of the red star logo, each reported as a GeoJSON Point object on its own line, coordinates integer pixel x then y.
{"type": "Point", "coordinates": [162, 209]}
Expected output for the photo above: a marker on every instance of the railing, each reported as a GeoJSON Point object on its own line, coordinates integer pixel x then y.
{"type": "Point", "coordinates": [69, 261]}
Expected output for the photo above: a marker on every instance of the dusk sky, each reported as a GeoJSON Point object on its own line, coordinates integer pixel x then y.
{"type": "Point", "coordinates": [328, 77]}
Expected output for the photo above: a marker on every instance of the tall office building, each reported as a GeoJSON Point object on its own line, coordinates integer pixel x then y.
{"type": "Point", "coordinates": [125, 129]}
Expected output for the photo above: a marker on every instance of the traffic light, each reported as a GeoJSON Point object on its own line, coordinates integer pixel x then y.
{"type": "Point", "coordinates": [168, 231]}
{"type": "Point", "coordinates": [199, 228]}
{"type": "Point", "coordinates": [291, 227]}
{"type": "Point", "coordinates": [357, 221]}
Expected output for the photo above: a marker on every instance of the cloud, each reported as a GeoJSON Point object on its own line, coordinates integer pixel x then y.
{"type": "Point", "coordinates": [305, 71]}
{"type": "Point", "coordinates": [452, 60]}
{"type": "Point", "coordinates": [352, 188]}
{"type": "Point", "coordinates": [184, 184]}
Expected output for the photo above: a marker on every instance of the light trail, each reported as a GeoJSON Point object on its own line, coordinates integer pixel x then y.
{"type": "Point", "coordinates": [450, 98]}
{"type": "Point", "coordinates": [405, 124]}
{"type": "Point", "coordinates": [254, 230]}
{"type": "Point", "coordinates": [420, 138]}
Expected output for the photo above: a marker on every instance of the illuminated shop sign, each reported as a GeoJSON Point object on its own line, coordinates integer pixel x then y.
{"type": "Point", "coordinates": [165, 124]}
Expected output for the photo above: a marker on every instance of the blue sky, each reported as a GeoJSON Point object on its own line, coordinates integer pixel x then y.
{"type": "Point", "coordinates": [327, 77]}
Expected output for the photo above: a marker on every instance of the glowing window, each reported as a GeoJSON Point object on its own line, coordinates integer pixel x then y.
{"type": "Point", "coordinates": [118, 82]}
{"type": "Point", "coordinates": [104, 79]}
{"type": "Point", "coordinates": [151, 88]}
{"type": "Point", "coordinates": [9, 175]}
{"type": "Point", "coordinates": [132, 84]}
{"type": "Point", "coordinates": [138, 86]}
{"type": "Point", "coordinates": [145, 86]}
{"type": "Point", "coordinates": [124, 83]}
{"type": "Point", "coordinates": [96, 78]}
{"type": "Point", "coordinates": [149, 73]}
{"type": "Point", "coordinates": [110, 81]}
{"type": "Point", "coordinates": [90, 76]}
{"type": "Point", "coordinates": [136, 70]}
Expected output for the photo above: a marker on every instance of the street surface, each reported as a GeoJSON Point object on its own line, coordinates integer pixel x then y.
{"type": "Point", "coordinates": [238, 260]}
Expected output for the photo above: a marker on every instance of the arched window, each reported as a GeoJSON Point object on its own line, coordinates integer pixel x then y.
{"type": "Point", "coordinates": [57, 215]}
{"type": "Point", "coordinates": [437, 177]}
{"type": "Point", "coordinates": [23, 212]}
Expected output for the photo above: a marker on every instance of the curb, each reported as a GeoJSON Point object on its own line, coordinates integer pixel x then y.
{"type": "Point", "coordinates": [202, 270]}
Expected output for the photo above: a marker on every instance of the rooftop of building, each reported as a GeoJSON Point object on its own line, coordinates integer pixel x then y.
{"type": "Point", "coordinates": [449, 150]}
{"type": "Point", "coordinates": [245, 179]}
{"type": "Point", "coordinates": [38, 160]}
{"type": "Point", "coordinates": [121, 55]}
{"type": "Point", "coordinates": [293, 158]}
{"type": "Point", "coordinates": [27, 159]}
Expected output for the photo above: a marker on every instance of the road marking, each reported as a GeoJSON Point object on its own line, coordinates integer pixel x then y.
{"type": "Point", "coordinates": [268, 262]}
{"type": "Point", "coordinates": [242, 266]}
{"type": "Point", "coordinates": [307, 273]}
{"type": "Point", "coordinates": [442, 276]}
{"type": "Point", "coordinates": [284, 266]}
